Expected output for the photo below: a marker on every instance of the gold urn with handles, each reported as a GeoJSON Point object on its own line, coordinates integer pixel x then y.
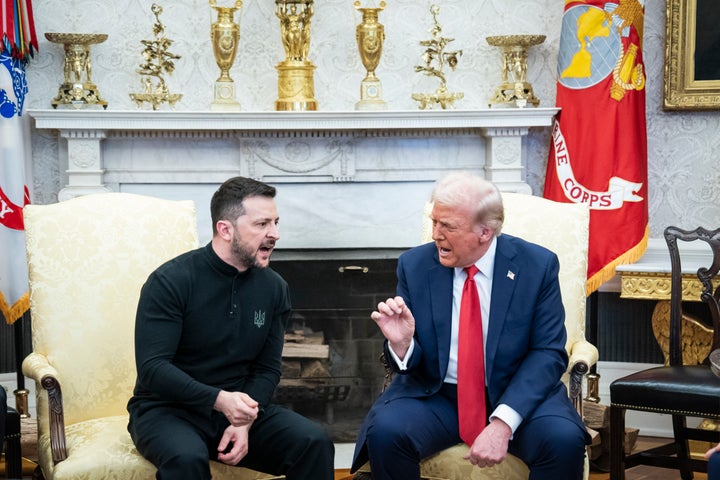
{"type": "Point", "coordinates": [370, 35]}
{"type": "Point", "coordinates": [225, 37]}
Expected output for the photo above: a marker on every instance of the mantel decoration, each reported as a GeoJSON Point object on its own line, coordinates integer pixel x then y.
{"type": "Point", "coordinates": [370, 35]}
{"type": "Point", "coordinates": [77, 89]}
{"type": "Point", "coordinates": [225, 35]}
{"type": "Point", "coordinates": [515, 90]}
{"type": "Point", "coordinates": [435, 58]}
{"type": "Point", "coordinates": [158, 61]}
{"type": "Point", "coordinates": [296, 86]}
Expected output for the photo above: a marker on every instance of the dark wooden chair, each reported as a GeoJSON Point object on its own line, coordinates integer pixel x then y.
{"type": "Point", "coordinates": [680, 390]}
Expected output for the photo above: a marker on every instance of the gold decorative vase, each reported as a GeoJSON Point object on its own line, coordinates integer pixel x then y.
{"type": "Point", "coordinates": [225, 36]}
{"type": "Point", "coordinates": [515, 90]}
{"type": "Point", "coordinates": [296, 86]}
{"type": "Point", "coordinates": [370, 35]}
{"type": "Point", "coordinates": [77, 89]}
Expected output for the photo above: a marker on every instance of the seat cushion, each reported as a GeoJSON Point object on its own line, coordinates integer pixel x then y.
{"type": "Point", "coordinates": [691, 390]}
{"type": "Point", "coordinates": [109, 440]}
{"type": "Point", "coordinates": [450, 465]}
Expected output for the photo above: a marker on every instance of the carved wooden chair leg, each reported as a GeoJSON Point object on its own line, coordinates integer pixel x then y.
{"type": "Point", "coordinates": [683, 447]}
{"type": "Point", "coordinates": [617, 452]}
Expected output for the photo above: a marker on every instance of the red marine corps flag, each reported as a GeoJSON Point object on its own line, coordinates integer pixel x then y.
{"type": "Point", "coordinates": [599, 142]}
{"type": "Point", "coordinates": [17, 44]}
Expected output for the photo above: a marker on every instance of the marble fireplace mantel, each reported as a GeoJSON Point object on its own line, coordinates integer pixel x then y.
{"type": "Point", "coordinates": [338, 169]}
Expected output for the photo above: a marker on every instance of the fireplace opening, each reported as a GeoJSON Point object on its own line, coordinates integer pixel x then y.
{"type": "Point", "coordinates": [331, 367]}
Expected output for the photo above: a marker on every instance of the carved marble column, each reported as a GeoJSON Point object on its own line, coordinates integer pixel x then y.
{"type": "Point", "coordinates": [504, 154]}
{"type": "Point", "coordinates": [85, 169]}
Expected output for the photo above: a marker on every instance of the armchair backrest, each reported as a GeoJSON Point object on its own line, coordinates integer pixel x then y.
{"type": "Point", "coordinates": [560, 227]}
{"type": "Point", "coordinates": [88, 257]}
{"type": "Point", "coordinates": [710, 290]}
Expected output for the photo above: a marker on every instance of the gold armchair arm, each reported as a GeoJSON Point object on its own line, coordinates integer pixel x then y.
{"type": "Point", "coordinates": [37, 367]}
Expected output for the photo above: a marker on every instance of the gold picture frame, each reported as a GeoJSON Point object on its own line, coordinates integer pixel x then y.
{"type": "Point", "coordinates": [692, 55]}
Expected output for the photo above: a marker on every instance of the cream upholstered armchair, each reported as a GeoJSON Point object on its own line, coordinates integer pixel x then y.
{"type": "Point", "coordinates": [88, 258]}
{"type": "Point", "coordinates": [562, 228]}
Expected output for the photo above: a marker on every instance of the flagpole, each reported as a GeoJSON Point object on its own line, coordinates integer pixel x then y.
{"type": "Point", "coordinates": [21, 393]}
{"type": "Point", "coordinates": [593, 378]}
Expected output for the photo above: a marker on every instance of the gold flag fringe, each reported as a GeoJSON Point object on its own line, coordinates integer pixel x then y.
{"type": "Point", "coordinates": [16, 311]}
{"type": "Point", "coordinates": [608, 271]}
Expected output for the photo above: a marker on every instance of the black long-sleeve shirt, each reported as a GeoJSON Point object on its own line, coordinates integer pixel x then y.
{"type": "Point", "coordinates": [202, 326]}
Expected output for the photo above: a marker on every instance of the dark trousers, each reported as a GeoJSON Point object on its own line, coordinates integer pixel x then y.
{"type": "Point", "coordinates": [406, 430]}
{"type": "Point", "coordinates": [714, 467]}
{"type": "Point", "coordinates": [3, 412]}
{"type": "Point", "coordinates": [281, 442]}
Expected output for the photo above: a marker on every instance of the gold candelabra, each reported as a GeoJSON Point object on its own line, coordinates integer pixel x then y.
{"type": "Point", "coordinates": [436, 57]}
{"type": "Point", "coordinates": [77, 89]}
{"type": "Point", "coordinates": [515, 90]}
{"type": "Point", "coordinates": [225, 35]}
{"type": "Point", "coordinates": [296, 86]}
{"type": "Point", "coordinates": [158, 61]}
{"type": "Point", "coordinates": [370, 35]}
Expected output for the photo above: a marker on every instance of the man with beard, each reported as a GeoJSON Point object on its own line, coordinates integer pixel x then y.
{"type": "Point", "coordinates": [209, 335]}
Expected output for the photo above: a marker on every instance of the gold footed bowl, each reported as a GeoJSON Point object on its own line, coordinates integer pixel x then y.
{"type": "Point", "coordinates": [76, 38]}
{"type": "Point", "coordinates": [515, 40]}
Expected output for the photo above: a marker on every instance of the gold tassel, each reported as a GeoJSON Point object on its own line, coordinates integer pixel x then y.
{"type": "Point", "coordinates": [608, 271]}
{"type": "Point", "coordinates": [16, 311]}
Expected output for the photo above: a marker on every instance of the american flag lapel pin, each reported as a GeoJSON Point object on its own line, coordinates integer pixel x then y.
{"type": "Point", "coordinates": [511, 275]}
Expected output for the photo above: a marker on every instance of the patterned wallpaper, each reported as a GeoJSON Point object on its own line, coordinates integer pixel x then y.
{"type": "Point", "coordinates": [684, 185]}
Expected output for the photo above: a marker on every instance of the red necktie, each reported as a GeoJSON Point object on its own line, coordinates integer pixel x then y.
{"type": "Point", "coordinates": [471, 363]}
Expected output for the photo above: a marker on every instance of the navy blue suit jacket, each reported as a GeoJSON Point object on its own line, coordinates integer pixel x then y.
{"type": "Point", "coordinates": [525, 348]}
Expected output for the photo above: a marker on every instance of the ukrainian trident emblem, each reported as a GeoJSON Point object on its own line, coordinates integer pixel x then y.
{"type": "Point", "coordinates": [259, 320]}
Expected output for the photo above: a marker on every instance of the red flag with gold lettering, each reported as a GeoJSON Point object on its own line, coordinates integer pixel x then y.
{"type": "Point", "coordinates": [598, 154]}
